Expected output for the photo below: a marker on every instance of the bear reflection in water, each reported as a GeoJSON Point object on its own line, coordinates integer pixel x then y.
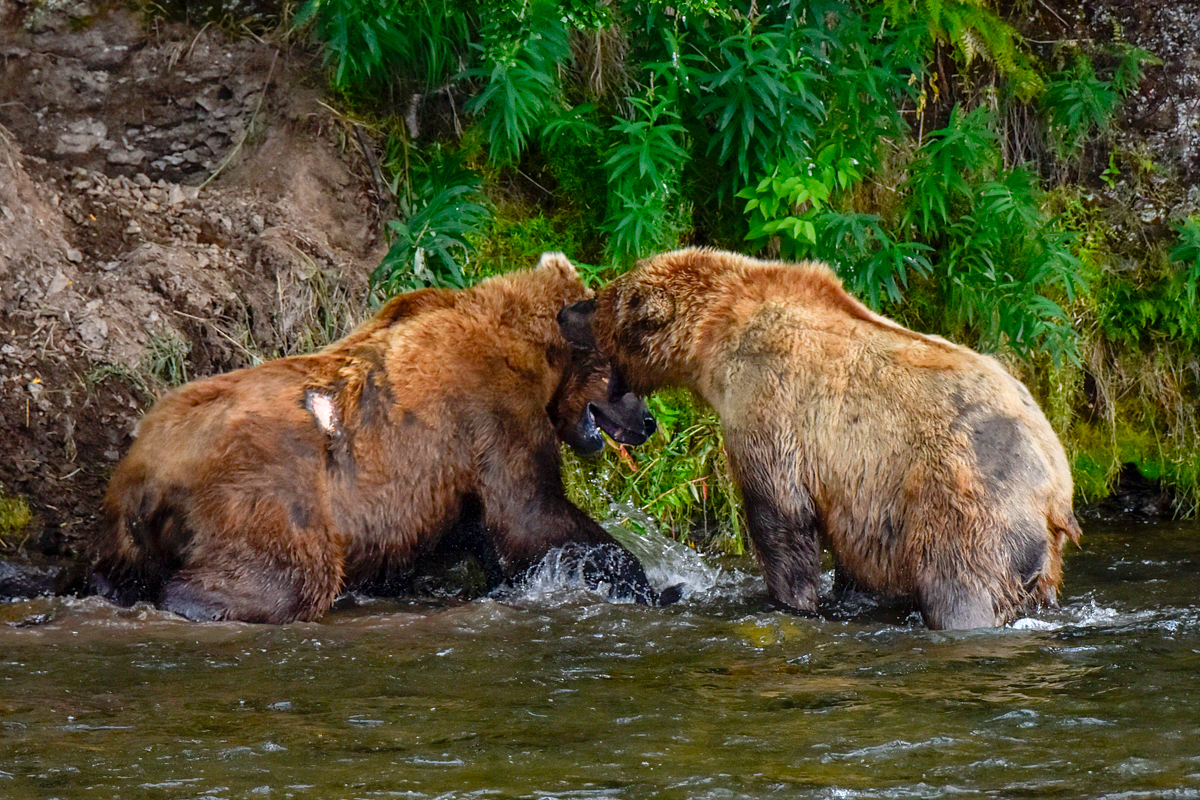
{"type": "Point", "coordinates": [262, 494]}
{"type": "Point", "coordinates": [925, 467]}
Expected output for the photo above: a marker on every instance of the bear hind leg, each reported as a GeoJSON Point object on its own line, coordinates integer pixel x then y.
{"type": "Point", "coordinates": [267, 594]}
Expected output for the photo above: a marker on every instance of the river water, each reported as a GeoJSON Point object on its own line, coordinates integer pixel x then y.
{"type": "Point", "coordinates": [556, 694]}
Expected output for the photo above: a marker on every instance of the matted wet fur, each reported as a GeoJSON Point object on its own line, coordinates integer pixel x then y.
{"type": "Point", "coordinates": [926, 467]}
{"type": "Point", "coordinates": [262, 494]}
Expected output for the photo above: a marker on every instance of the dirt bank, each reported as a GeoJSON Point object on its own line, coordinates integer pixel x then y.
{"type": "Point", "coordinates": [173, 202]}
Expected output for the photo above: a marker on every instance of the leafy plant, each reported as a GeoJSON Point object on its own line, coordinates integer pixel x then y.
{"type": "Point", "coordinates": [786, 204]}
{"type": "Point", "coordinates": [361, 38]}
{"type": "Point", "coordinates": [439, 208]}
{"type": "Point", "coordinates": [974, 31]}
{"type": "Point", "coordinates": [1000, 260]}
{"type": "Point", "coordinates": [874, 265]}
{"type": "Point", "coordinates": [760, 102]}
{"type": "Point", "coordinates": [1187, 252]}
{"type": "Point", "coordinates": [376, 42]}
{"type": "Point", "coordinates": [1076, 103]}
{"type": "Point", "coordinates": [941, 178]}
{"type": "Point", "coordinates": [1162, 310]}
{"type": "Point", "coordinates": [644, 167]}
{"type": "Point", "coordinates": [522, 50]}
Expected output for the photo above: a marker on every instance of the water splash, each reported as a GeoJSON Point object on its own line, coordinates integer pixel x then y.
{"type": "Point", "coordinates": [670, 563]}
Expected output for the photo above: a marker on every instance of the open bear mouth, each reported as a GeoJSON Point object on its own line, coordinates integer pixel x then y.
{"type": "Point", "coordinates": [586, 438]}
{"type": "Point", "coordinates": [628, 407]}
{"type": "Point", "coordinates": [597, 419]}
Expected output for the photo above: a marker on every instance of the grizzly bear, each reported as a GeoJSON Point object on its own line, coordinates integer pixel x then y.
{"type": "Point", "coordinates": [927, 469]}
{"type": "Point", "coordinates": [263, 494]}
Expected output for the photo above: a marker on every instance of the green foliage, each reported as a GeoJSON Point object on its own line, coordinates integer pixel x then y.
{"type": "Point", "coordinates": [1187, 252]}
{"type": "Point", "coordinates": [514, 240]}
{"type": "Point", "coordinates": [522, 50]}
{"type": "Point", "coordinates": [367, 43]}
{"type": "Point", "coordinates": [15, 517]}
{"type": "Point", "coordinates": [873, 67]}
{"type": "Point", "coordinates": [680, 478]}
{"type": "Point", "coordinates": [797, 129]}
{"type": "Point", "coordinates": [974, 31]}
{"type": "Point", "coordinates": [1001, 263]}
{"type": "Point", "coordinates": [440, 209]}
{"type": "Point", "coordinates": [759, 101]}
{"type": "Point", "coordinates": [361, 37]}
{"type": "Point", "coordinates": [1076, 103]}
{"type": "Point", "coordinates": [1162, 309]}
{"type": "Point", "coordinates": [1081, 99]}
{"type": "Point", "coordinates": [643, 168]}
{"type": "Point", "coordinates": [771, 203]}
{"type": "Point", "coordinates": [872, 263]}
{"type": "Point", "coordinates": [164, 360]}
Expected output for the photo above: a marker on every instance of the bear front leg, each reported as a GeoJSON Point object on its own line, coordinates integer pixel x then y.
{"type": "Point", "coordinates": [261, 593]}
{"type": "Point", "coordinates": [787, 543]}
{"type": "Point", "coordinates": [785, 527]}
{"type": "Point", "coordinates": [527, 514]}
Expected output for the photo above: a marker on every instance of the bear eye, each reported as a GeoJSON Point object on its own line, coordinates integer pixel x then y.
{"type": "Point", "coordinates": [635, 301]}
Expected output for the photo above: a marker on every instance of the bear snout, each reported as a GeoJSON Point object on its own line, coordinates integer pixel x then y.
{"type": "Point", "coordinates": [627, 420]}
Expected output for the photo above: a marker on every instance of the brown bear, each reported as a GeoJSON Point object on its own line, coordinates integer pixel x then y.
{"type": "Point", "coordinates": [262, 494]}
{"type": "Point", "coordinates": [925, 467]}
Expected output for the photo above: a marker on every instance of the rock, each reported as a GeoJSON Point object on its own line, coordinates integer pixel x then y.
{"type": "Point", "coordinates": [126, 156]}
{"type": "Point", "coordinates": [82, 136]}
{"type": "Point", "coordinates": [23, 578]}
{"type": "Point", "coordinates": [93, 332]}
{"type": "Point", "coordinates": [58, 282]}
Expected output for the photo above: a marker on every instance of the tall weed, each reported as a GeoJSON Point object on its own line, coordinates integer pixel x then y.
{"type": "Point", "coordinates": [1001, 264]}
{"type": "Point", "coordinates": [522, 50]}
{"type": "Point", "coordinates": [368, 44]}
{"type": "Point", "coordinates": [644, 168]}
{"type": "Point", "coordinates": [440, 207]}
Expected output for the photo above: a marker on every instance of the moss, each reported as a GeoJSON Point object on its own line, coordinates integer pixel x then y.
{"type": "Point", "coordinates": [517, 236]}
{"type": "Point", "coordinates": [1099, 450]}
{"type": "Point", "coordinates": [15, 517]}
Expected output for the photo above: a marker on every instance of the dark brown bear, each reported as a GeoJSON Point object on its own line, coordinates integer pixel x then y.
{"type": "Point", "coordinates": [926, 468]}
{"type": "Point", "coordinates": [262, 494]}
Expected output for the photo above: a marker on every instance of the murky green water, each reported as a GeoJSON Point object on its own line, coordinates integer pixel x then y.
{"type": "Point", "coordinates": [556, 695]}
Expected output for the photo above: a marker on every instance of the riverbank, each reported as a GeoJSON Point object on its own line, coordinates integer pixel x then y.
{"type": "Point", "coordinates": [178, 200]}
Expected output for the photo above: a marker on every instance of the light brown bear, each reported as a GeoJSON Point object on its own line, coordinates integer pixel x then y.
{"type": "Point", "coordinates": [262, 494]}
{"type": "Point", "coordinates": [924, 466]}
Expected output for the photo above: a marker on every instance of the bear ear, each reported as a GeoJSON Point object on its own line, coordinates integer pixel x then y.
{"type": "Point", "coordinates": [575, 322]}
{"type": "Point", "coordinates": [558, 262]}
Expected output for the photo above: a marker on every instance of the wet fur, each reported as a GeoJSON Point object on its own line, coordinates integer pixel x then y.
{"type": "Point", "coordinates": [262, 494]}
{"type": "Point", "coordinates": [927, 469]}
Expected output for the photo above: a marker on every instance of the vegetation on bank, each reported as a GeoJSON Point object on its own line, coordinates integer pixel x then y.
{"type": "Point", "coordinates": [15, 517]}
{"type": "Point", "coordinates": [959, 177]}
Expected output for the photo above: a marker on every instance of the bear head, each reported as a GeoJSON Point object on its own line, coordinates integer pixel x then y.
{"type": "Point", "coordinates": [646, 320]}
{"type": "Point", "coordinates": [592, 397]}
{"type": "Point", "coordinates": [592, 400]}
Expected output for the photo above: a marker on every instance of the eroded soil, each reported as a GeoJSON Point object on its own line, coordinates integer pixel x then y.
{"type": "Point", "coordinates": [173, 202]}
